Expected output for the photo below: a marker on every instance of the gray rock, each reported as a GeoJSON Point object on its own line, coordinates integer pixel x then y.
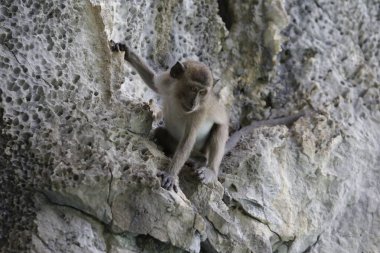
{"type": "Point", "coordinates": [78, 167]}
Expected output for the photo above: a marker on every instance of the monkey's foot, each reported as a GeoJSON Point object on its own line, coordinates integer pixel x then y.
{"type": "Point", "coordinates": [206, 175]}
{"type": "Point", "coordinates": [117, 47]}
{"type": "Point", "coordinates": [167, 181]}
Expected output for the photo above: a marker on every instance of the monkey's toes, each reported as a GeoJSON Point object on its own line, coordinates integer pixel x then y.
{"type": "Point", "coordinates": [206, 175]}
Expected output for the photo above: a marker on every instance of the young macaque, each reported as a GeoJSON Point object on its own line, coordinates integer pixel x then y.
{"type": "Point", "coordinates": [196, 124]}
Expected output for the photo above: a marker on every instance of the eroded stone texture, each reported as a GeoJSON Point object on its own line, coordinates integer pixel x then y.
{"type": "Point", "coordinates": [332, 57]}
{"type": "Point", "coordinates": [79, 170]}
{"type": "Point", "coordinates": [63, 229]}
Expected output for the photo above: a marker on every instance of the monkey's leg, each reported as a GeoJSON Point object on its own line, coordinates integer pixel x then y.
{"type": "Point", "coordinates": [163, 138]}
{"type": "Point", "coordinates": [214, 151]}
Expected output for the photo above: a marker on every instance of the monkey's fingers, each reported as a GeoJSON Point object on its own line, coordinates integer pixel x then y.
{"type": "Point", "coordinates": [118, 46]}
{"type": "Point", "coordinates": [163, 177]}
{"type": "Point", "coordinates": [122, 47]}
{"type": "Point", "coordinates": [164, 182]}
{"type": "Point", "coordinates": [113, 45]}
{"type": "Point", "coordinates": [167, 183]}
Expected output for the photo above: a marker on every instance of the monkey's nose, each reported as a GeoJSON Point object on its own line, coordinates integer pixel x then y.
{"type": "Point", "coordinates": [193, 103]}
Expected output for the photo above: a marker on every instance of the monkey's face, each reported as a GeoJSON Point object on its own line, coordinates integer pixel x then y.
{"type": "Point", "coordinates": [192, 96]}
{"type": "Point", "coordinates": [193, 86]}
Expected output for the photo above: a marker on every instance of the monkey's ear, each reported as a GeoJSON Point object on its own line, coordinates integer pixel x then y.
{"type": "Point", "coordinates": [177, 70]}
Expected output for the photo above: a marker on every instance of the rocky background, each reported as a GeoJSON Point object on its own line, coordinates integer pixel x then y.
{"type": "Point", "coordinates": [77, 163]}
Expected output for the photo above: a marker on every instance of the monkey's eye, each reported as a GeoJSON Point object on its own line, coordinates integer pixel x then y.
{"type": "Point", "coordinates": [203, 92]}
{"type": "Point", "coordinates": [193, 89]}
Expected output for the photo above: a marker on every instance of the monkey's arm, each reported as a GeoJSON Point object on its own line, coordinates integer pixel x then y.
{"type": "Point", "coordinates": [146, 73]}
{"type": "Point", "coordinates": [235, 137]}
{"type": "Point", "coordinates": [183, 150]}
{"type": "Point", "coordinates": [181, 154]}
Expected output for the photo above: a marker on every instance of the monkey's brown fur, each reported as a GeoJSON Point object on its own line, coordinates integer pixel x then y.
{"type": "Point", "coordinates": [195, 121]}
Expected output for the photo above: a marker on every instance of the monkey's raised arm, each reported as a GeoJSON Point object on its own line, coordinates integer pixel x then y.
{"type": "Point", "coordinates": [146, 73]}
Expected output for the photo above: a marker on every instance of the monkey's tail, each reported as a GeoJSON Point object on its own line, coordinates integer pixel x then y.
{"type": "Point", "coordinates": [287, 120]}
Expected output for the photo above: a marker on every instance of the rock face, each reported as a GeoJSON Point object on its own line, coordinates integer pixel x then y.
{"type": "Point", "coordinates": [78, 167]}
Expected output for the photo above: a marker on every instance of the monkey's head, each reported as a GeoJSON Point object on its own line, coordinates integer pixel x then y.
{"type": "Point", "coordinates": [194, 84]}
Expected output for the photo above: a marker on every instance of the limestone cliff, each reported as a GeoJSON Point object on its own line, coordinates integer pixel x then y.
{"type": "Point", "coordinates": [78, 167]}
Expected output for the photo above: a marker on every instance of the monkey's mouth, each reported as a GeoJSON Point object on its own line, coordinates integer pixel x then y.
{"type": "Point", "coordinates": [187, 108]}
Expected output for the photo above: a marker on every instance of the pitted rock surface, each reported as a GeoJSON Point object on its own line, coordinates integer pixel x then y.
{"type": "Point", "coordinates": [78, 167]}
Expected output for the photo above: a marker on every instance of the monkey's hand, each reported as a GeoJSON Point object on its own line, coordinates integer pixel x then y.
{"type": "Point", "coordinates": [168, 181]}
{"type": "Point", "coordinates": [206, 175]}
{"type": "Point", "coordinates": [118, 47]}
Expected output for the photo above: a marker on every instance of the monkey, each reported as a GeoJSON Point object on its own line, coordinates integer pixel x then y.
{"type": "Point", "coordinates": [196, 123]}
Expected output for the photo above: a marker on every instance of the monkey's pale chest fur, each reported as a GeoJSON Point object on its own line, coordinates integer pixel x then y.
{"type": "Point", "coordinates": [176, 120]}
